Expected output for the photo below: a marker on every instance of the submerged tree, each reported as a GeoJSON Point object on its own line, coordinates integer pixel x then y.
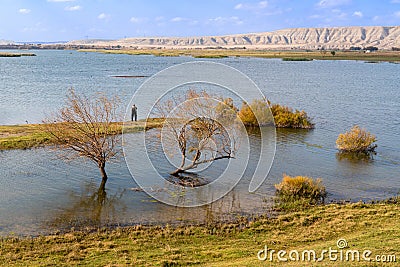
{"type": "Point", "coordinates": [198, 126]}
{"type": "Point", "coordinates": [87, 127]}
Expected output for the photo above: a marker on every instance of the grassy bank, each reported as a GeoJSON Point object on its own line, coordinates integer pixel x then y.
{"type": "Point", "coordinates": [26, 136]}
{"type": "Point", "coordinates": [389, 56]}
{"type": "Point", "coordinates": [375, 227]}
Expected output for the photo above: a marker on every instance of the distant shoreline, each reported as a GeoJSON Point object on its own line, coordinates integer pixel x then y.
{"type": "Point", "coordinates": [285, 55]}
{"type": "Point", "coordinates": [376, 56]}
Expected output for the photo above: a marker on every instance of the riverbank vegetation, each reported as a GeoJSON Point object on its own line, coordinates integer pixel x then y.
{"type": "Point", "coordinates": [26, 136]}
{"type": "Point", "coordinates": [23, 136]}
{"type": "Point", "coordinates": [299, 192]}
{"type": "Point", "coordinates": [364, 226]}
{"type": "Point", "coordinates": [288, 55]}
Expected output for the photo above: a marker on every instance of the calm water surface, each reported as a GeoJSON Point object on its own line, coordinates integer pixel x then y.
{"type": "Point", "coordinates": [40, 193]}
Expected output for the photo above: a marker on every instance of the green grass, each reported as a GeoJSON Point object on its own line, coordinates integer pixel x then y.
{"type": "Point", "coordinates": [379, 56]}
{"type": "Point", "coordinates": [23, 136]}
{"type": "Point", "coordinates": [365, 226]}
{"type": "Point", "coordinates": [34, 135]}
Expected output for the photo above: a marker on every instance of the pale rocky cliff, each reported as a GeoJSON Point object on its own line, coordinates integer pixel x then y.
{"type": "Point", "coordinates": [5, 42]}
{"type": "Point", "coordinates": [296, 38]}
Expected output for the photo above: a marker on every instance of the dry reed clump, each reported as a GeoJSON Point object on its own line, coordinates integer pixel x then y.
{"type": "Point", "coordinates": [294, 192]}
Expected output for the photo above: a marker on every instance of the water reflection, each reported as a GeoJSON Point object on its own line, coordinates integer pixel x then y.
{"type": "Point", "coordinates": [355, 157]}
{"type": "Point", "coordinates": [41, 194]}
{"type": "Point", "coordinates": [91, 207]}
{"type": "Point", "coordinates": [287, 136]}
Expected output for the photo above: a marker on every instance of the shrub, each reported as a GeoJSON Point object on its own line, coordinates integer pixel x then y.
{"type": "Point", "coordinates": [247, 116]}
{"type": "Point", "coordinates": [285, 117]}
{"type": "Point", "coordinates": [258, 109]}
{"type": "Point", "coordinates": [300, 190]}
{"type": "Point", "coordinates": [356, 140]}
{"type": "Point", "coordinates": [226, 111]}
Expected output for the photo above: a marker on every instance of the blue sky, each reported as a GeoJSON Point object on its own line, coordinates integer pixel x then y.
{"type": "Point", "coordinates": [56, 20]}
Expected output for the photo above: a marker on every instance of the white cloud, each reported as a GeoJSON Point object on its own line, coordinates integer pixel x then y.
{"type": "Point", "coordinates": [315, 16]}
{"type": "Point", "coordinates": [254, 7]}
{"type": "Point", "coordinates": [263, 4]}
{"type": "Point", "coordinates": [375, 18]}
{"type": "Point", "coordinates": [178, 19]}
{"type": "Point", "coordinates": [103, 16]}
{"type": "Point", "coordinates": [137, 20]}
{"type": "Point", "coordinates": [395, 1]}
{"type": "Point", "coordinates": [358, 14]}
{"type": "Point", "coordinates": [223, 20]}
{"type": "Point", "coordinates": [397, 14]}
{"type": "Point", "coordinates": [38, 27]}
{"type": "Point", "coordinates": [239, 6]}
{"type": "Point", "coordinates": [339, 14]}
{"type": "Point", "coordinates": [60, 1]}
{"type": "Point", "coordinates": [160, 18]}
{"type": "Point", "coordinates": [73, 8]}
{"type": "Point", "coordinates": [24, 11]}
{"type": "Point", "coordinates": [332, 3]}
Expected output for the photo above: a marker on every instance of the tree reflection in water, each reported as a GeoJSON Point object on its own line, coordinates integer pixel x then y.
{"type": "Point", "coordinates": [91, 207]}
{"type": "Point", "coordinates": [355, 157]}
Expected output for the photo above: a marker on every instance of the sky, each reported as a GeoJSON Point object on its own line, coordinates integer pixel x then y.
{"type": "Point", "coordinates": [64, 20]}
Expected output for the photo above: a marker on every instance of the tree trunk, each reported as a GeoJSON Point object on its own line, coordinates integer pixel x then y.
{"type": "Point", "coordinates": [177, 171]}
{"type": "Point", "coordinates": [104, 177]}
{"type": "Point", "coordinates": [180, 169]}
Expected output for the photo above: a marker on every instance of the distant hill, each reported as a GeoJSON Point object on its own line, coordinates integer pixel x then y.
{"type": "Point", "coordinates": [296, 38]}
{"type": "Point", "coordinates": [6, 42]}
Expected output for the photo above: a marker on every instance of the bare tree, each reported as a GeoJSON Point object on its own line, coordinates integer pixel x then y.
{"type": "Point", "coordinates": [87, 127]}
{"type": "Point", "coordinates": [198, 126]}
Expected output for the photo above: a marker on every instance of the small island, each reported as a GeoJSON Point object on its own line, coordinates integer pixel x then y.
{"type": "Point", "coordinates": [2, 54]}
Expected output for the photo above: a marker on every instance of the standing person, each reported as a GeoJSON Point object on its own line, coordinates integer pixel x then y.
{"type": "Point", "coordinates": [134, 113]}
